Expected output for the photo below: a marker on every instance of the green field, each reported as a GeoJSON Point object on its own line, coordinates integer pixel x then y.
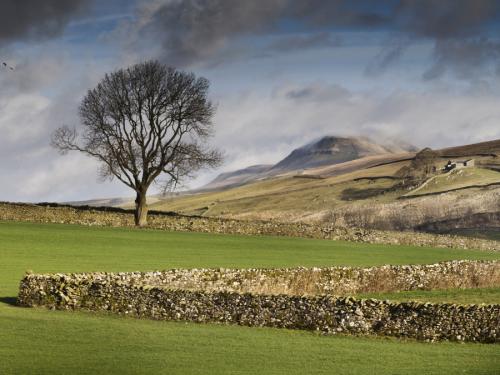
{"type": "Point", "coordinates": [41, 341]}
{"type": "Point", "coordinates": [488, 234]}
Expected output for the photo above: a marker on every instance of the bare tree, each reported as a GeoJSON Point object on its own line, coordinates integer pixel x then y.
{"type": "Point", "coordinates": [144, 124]}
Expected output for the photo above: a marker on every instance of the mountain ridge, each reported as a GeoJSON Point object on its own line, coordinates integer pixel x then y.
{"type": "Point", "coordinates": [328, 150]}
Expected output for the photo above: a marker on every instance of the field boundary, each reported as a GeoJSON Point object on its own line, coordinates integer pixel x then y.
{"type": "Point", "coordinates": [406, 196]}
{"type": "Point", "coordinates": [70, 215]}
{"type": "Point", "coordinates": [142, 295]}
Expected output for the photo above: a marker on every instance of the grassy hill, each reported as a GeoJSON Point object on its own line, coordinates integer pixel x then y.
{"type": "Point", "coordinates": [42, 341]}
{"type": "Point", "coordinates": [304, 197]}
{"type": "Point", "coordinates": [457, 179]}
{"type": "Point", "coordinates": [361, 189]}
{"type": "Point", "coordinates": [476, 149]}
{"type": "Point", "coordinates": [288, 195]}
{"type": "Point", "coordinates": [355, 192]}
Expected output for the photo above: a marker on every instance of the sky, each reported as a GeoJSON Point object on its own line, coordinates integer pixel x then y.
{"type": "Point", "coordinates": [282, 73]}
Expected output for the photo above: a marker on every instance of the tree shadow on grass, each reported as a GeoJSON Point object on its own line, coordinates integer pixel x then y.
{"type": "Point", "coordinates": [9, 300]}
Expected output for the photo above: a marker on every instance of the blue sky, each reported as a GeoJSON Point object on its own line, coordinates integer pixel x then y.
{"type": "Point", "coordinates": [282, 72]}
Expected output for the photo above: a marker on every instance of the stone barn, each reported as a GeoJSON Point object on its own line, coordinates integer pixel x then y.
{"type": "Point", "coordinates": [458, 164]}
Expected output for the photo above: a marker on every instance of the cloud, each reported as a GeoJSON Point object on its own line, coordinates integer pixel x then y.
{"type": "Point", "coordinates": [197, 31]}
{"type": "Point", "coordinates": [464, 57]}
{"type": "Point", "coordinates": [302, 42]}
{"type": "Point", "coordinates": [18, 118]}
{"type": "Point", "coordinates": [444, 18]}
{"type": "Point", "coordinates": [262, 124]}
{"type": "Point", "coordinates": [193, 30]}
{"type": "Point", "coordinates": [387, 56]}
{"type": "Point", "coordinates": [42, 94]}
{"type": "Point", "coordinates": [315, 93]}
{"type": "Point", "coordinates": [36, 19]}
{"type": "Point", "coordinates": [65, 179]}
{"type": "Point", "coordinates": [260, 129]}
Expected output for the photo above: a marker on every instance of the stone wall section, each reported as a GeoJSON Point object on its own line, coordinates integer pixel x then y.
{"type": "Point", "coordinates": [170, 222]}
{"type": "Point", "coordinates": [221, 296]}
{"type": "Point", "coordinates": [308, 281]}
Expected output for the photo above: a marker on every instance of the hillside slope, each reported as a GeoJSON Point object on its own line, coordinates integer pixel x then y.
{"type": "Point", "coordinates": [327, 151]}
{"type": "Point", "coordinates": [368, 191]}
{"type": "Point", "coordinates": [238, 177]}
{"type": "Point", "coordinates": [332, 150]}
{"type": "Point", "coordinates": [456, 180]}
{"type": "Point", "coordinates": [490, 148]}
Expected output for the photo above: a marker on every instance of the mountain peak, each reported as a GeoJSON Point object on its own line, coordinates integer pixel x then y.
{"type": "Point", "coordinates": [327, 150]}
{"type": "Point", "coordinates": [333, 149]}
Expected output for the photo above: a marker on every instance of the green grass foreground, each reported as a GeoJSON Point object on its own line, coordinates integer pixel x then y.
{"type": "Point", "coordinates": [38, 341]}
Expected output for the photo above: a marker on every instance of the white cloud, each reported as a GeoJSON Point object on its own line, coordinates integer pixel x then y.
{"type": "Point", "coordinates": [42, 94]}
{"type": "Point", "coordinates": [68, 178]}
{"type": "Point", "coordinates": [252, 128]}
{"type": "Point", "coordinates": [20, 116]}
{"type": "Point", "coordinates": [255, 128]}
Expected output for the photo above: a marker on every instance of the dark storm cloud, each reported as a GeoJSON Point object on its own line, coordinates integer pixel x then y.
{"type": "Point", "coordinates": [441, 19]}
{"type": "Point", "coordinates": [294, 42]}
{"type": "Point", "coordinates": [387, 56]}
{"type": "Point", "coordinates": [317, 93]}
{"type": "Point", "coordinates": [193, 30]}
{"type": "Point", "coordinates": [36, 19]}
{"type": "Point", "coordinates": [464, 57]}
{"type": "Point", "coordinates": [460, 30]}
{"type": "Point", "coordinates": [196, 30]}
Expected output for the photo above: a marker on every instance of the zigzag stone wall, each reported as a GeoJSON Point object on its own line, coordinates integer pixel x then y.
{"type": "Point", "coordinates": [220, 296]}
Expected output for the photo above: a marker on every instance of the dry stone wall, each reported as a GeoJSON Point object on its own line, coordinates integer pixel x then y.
{"type": "Point", "coordinates": [73, 215]}
{"type": "Point", "coordinates": [221, 295]}
{"type": "Point", "coordinates": [311, 281]}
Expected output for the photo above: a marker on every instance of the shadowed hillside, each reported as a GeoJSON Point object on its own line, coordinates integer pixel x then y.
{"type": "Point", "coordinates": [490, 148]}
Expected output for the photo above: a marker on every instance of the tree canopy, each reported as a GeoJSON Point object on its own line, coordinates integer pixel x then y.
{"type": "Point", "coordinates": [145, 124]}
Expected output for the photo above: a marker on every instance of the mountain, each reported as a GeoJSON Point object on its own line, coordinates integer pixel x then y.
{"type": "Point", "coordinates": [238, 177]}
{"type": "Point", "coordinates": [326, 151]}
{"type": "Point", "coordinates": [334, 150]}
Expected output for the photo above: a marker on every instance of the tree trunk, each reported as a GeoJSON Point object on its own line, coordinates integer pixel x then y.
{"type": "Point", "coordinates": [141, 210]}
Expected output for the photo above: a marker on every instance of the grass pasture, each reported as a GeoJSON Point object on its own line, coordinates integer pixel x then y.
{"type": "Point", "coordinates": [486, 233]}
{"type": "Point", "coordinates": [457, 179]}
{"type": "Point", "coordinates": [40, 341]}
{"type": "Point", "coordinates": [282, 194]}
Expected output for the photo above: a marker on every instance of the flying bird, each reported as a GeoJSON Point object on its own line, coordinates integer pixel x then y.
{"type": "Point", "coordinates": [6, 66]}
